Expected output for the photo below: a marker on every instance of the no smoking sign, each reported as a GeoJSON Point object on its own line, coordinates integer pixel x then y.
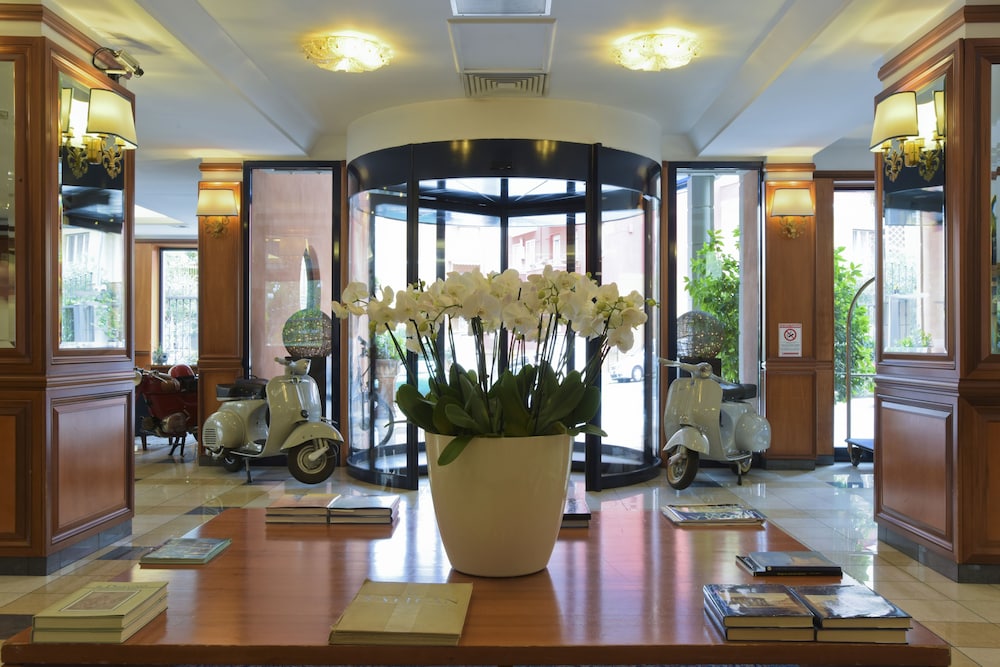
{"type": "Point", "coordinates": [790, 340]}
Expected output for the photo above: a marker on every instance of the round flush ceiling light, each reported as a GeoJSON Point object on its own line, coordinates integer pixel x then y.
{"type": "Point", "coordinates": [347, 52]}
{"type": "Point", "coordinates": [656, 51]}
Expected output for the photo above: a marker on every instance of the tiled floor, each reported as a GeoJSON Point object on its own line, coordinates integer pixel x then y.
{"type": "Point", "coordinates": [828, 509]}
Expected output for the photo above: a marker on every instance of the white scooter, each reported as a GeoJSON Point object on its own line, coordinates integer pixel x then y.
{"type": "Point", "coordinates": [707, 417]}
{"type": "Point", "coordinates": [283, 416]}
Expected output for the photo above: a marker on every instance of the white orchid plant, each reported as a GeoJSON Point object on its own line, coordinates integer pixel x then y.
{"type": "Point", "coordinates": [525, 324]}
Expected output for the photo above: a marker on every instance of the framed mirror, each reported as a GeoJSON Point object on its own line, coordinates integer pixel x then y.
{"type": "Point", "coordinates": [909, 131]}
{"type": "Point", "coordinates": [92, 242]}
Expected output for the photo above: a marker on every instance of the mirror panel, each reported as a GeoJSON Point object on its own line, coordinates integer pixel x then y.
{"type": "Point", "coordinates": [8, 226]}
{"type": "Point", "coordinates": [91, 239]}
{"type": "Point", "coordinates": [994, 192]}
{"type": "Point", "coordinates": [914, 236]}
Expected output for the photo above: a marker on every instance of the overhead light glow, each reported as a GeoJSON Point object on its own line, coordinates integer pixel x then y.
{"type": "Point", "coordinates": [347, 52]}
{"type": "Point", "coordinates": [656, 51]}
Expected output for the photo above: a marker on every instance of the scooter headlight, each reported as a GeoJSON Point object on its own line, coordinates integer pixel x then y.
{"type": "Point", "coordinates": [753, 433]}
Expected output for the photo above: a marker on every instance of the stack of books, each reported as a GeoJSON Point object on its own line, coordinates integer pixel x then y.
{"type": "Point", "coordinates": [716, 514]}
{"type": "Point", "coordinates": [827, 613]}
{"type": "Point", "coordinates": [804, 563]}
{"type": "Point", "coordinates": [758, 612]}
{"type": "Point", "coordinates": [401, 613]}
{"type": "Point", "coordinates": [300, 508]}
{"type": "Point", "coordinates": [854, 613]}
{"type": "Point", "coordinates": [105, 612]}
{"type": "Point", "coordinates": [364, 509]}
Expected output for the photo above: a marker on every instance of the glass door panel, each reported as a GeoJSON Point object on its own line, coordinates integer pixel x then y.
{"type": "Point", "coordinates": [492, 223]}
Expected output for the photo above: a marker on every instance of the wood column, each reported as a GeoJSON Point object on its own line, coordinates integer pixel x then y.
{"type": "Point", "coordinates": [798, 292]}
{"type": "Point", "coordinates": [221, 292]}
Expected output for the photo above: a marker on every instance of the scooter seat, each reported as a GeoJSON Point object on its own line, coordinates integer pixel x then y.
{"type": "Point", "coordinates": [738, 392]}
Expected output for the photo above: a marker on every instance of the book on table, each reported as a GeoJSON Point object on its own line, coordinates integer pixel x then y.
{"type": "Point", "coordinates": [576, 512]}
{"type": "Point", "coordinates": [377, 508]}
{"type": "Point", "coordinates": [713, 513]}
{"type": "Point", "coordinates": [400, 613]}
{"type": "Point", "coordinates": [754, 612]}
{"type": "Point", "coordinates": [101, 611]}
{"type": "Point", "coordinates": [186, 551]}
{"type": "Point", "coordinates": [765, 563]}
{"type": "Point", "coordinates": [300, 508]}
{"type": "Point", "coordinates": [862, 635]}
{"type": "Point", "coordinates": [851, 606]}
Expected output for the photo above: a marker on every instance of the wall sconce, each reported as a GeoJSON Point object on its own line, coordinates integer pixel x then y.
{"type": "Point", "coordinates": [216, 207]}
{"type": "Point", "coordinates": [108, 132]}
{"type": "Point", "coordinates": [909, 134]}
{"type": "Point", "coordinates": [347, 52]}
{"type": "Point", "coordinates": [789, 204]}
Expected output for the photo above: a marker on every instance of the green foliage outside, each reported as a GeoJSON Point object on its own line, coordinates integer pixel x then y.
{"type": "Point", "coordinates": [847, 279]}
{"type": "Point", "coordinates": [714, 286]}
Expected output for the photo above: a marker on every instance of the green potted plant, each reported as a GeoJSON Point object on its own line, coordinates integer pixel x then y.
{"type": "Point", "coordinates": [505, 398]}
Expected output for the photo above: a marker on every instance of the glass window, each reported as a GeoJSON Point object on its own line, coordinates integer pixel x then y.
{"type": "Point", "coordinates": [179, 305]}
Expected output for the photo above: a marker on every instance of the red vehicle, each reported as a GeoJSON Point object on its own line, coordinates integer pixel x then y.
{"type": "Point", "coordinates": [167, 405]}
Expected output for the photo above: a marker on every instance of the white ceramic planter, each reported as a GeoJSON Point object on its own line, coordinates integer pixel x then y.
{"type": "Point", "coordinates": [499, 505]}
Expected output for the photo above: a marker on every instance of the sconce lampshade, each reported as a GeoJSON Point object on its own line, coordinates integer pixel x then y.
{"type": "Point", "coordinates": [895, 118]}
{"type": "Point", "coordinates": [792, 201]}
{"type": "Point", "coordinates": [111, 114]}
{"type": "Point", "coordinates": [217, 202]}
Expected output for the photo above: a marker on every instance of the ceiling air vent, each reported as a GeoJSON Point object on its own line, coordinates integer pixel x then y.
{"type": "Point", "coordinates": [505, 84]}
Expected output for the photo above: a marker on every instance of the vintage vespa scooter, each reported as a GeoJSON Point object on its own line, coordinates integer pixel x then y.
{"type": "Point", "coordinates": [284, 416]}
{"type": "Point", "coordinates": [707, 417]}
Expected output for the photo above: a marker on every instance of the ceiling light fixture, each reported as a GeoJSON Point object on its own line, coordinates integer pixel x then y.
{"type": "Point", "coordinates": [347, 52]}
{"type": "Point", "coordinates": [656, 51]}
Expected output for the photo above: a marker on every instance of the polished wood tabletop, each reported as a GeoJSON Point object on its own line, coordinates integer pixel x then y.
{"type": "Point", "coordinates": [626, 590]}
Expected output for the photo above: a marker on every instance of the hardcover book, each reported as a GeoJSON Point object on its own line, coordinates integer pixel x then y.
{"type": "Point", "coordinates": [789, 562]}
{"type": "Point", "coordinates": [315, 504]}
{"type": "Point", "coordinates": [186, 551]}
{"type": "Point", "coordinates": [717, 514]}
{"type": "Point", "coordinates": [756, 605]}
{"type": "Point", "coordinates": [404, 613]}
{"type": "Point", "coordinates": [863, 635]}
{"type": "Point", "coordinates": [576, 512]}
{"type": "Point", "coordinates": [840, 606]}
{"type": "Point", "coordinates": [374, 505]}
{"type": "Point", "coordinates": [772, 634]}
{"type": "Point", "coordinates": [107, 606]}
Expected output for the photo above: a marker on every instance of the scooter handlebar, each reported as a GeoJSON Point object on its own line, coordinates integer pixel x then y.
{"type": "Point", "coordinates": [699, 370]}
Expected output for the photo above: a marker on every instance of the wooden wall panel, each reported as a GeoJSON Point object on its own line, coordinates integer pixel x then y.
{"type": "Point", "coordinates": [915, 467]}
{"type": "Point", "coordinates": [13, 475]}
{"type": "Point", "coordinates": [145, 299]}
{"type": "Point", "coordinates": [793, 436]}
{"type": "Point", "coordinates": [979, 457]}
{"type": "Point", "coordinates": [94, 477]}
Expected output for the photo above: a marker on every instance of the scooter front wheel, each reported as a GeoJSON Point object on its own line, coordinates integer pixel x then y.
{"type": "Point", "coordinates": [309, 470]}
{"type": "Point", "coordinates": [682, 466]}
{"type": "Point", "coordinates": [232, 463]}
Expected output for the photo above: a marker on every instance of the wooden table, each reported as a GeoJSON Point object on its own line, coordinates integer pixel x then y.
{"type": "Point", "coordinates": [626, 590]}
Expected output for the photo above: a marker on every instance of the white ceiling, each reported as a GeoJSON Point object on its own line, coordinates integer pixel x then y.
{"type": "Point", "coordinates": [227, 79]}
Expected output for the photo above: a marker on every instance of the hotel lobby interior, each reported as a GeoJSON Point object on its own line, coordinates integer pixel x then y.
{"type": "Point", "coordinates": [508, 133]}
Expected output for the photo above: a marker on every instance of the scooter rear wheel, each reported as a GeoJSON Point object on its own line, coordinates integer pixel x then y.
{"type": "Point", "coordinates": [308, 471]}
{"type": "Point", "coordinates": [682, 471]}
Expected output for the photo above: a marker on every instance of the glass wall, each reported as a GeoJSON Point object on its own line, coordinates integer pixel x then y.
{"type": "Point", "coordinates": [419, 212]}
{"type": "Point", "coordinates": [291, 267]}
